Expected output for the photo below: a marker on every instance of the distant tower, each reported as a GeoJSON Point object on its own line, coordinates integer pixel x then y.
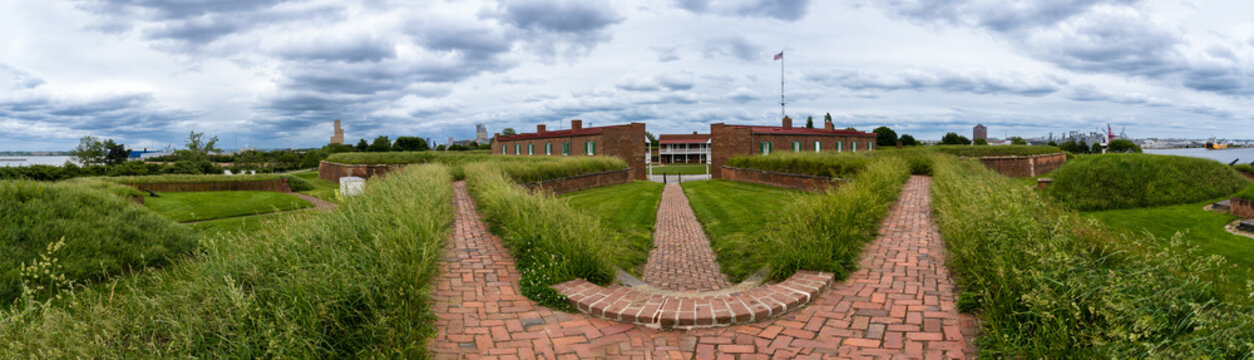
{"type": "Point", "coordinates": [338, 138]}
{"type": "Point", "coordinates": [481, 133]}
{"type": "Point", "coordinates": [980, 132]}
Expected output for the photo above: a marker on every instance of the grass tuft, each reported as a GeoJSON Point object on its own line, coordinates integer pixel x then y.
{"type": "Point", "coordinates": [1118, 181]}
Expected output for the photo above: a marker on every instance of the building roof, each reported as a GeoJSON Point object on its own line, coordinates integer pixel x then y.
{"type": "Point", "coordinates": [776, 130]}
{"type": "Point", "coordinates": [683, 138]}
{"type": "Point", "coordinates": [559, 133]}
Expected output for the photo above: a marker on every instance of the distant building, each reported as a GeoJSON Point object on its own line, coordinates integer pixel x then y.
{"type": "Point", "coordinates": [338, 137]}
{"type": "Point", "coordinates": [627, 142]}
{"type": "Point", "coordinates": [684, 148]}
{"type": "Point", "coordinates": [980, 132]}
{"type": "Point", "coordinates": [481, 134]}
{"type": "Point", "coordinates": [727, 141]}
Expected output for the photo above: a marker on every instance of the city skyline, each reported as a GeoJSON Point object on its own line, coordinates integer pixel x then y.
{"type": "Point", "coordinates": [276, 73]}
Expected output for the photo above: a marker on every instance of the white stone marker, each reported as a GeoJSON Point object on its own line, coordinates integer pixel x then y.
{"type": "Point", "coordinates": [352, 185]}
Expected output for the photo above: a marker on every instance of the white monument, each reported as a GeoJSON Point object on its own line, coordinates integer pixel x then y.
{"type": "Point", "coordinates": [352, 185]}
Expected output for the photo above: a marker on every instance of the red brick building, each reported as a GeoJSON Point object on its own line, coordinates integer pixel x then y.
{"type": "Point", "coordinates": [727, 141]}
{"type": "Point", "coordinates": [627, 142]}
{"type": "Point", "coordinates": [683, 148]}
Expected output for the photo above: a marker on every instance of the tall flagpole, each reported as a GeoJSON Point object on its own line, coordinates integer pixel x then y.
{"type": "Point", "coordinates": [781, 85]}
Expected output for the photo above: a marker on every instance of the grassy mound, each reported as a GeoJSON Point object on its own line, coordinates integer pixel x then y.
{"type": "Point", "coordinates": [826, 164]}
{"type": "Point", "coordinates": [1049, 284]}
{"type": "Point", "coordinates": [1004, 150]}
{"type": "Point", "coordinates": [456, 161]}
{"type": "Point", "coordinates": [351, 283]}
{"type": "Point", "coordinates": [78, 234]}
{"type": "Point", "coordinates": [1117, 181]}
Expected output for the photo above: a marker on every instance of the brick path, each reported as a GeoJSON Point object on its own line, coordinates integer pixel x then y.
{"type": "Point", "coordinates": [900, 305]}
{"type": "Point", "coordinates": [681, 259]}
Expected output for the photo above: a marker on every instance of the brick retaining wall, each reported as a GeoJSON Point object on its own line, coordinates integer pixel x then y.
{"type": "Point", "coordinates": [582, 182]}
{"type": "Point", "coordinates": [778, 179]}
{"type": "Point", "coordinates": [1242, 208]}
{"type": "Point", "coordinates": [1024, 166]}
{"type": "Point", "coordinates": [279, 185]}
{"type": "Point", "coordinates": [332, 171]}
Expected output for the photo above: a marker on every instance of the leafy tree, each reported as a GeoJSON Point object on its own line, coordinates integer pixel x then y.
{"type": "Point", "coordinates": [827, 118]}
{"type": "Point", "coordinates": [851, 129]}
{"type": "Point", "coordinates": [809, 122]}
{"type": "Point", "coordinates": [1084, 147]}
{"type": "Point", "coordinates": [130, 168]}
{"type": "Point", "coordinates": [338, 148]}
{"type": "Point", "coordinates": [1018, 141]}
{"type": "Point", "coordinates": [1052, 143]}
{"type": "Point", "coordinates": [981, 142]}
{"type": "Point", "coordinates": [439, 147]}
{"type": "Point", "coordinates": [410, 143]}
{"type": "Point", "coordinates": [1097, 148]}
{"type": "Point", "coordinates": [90, 151]}
{"type": "Point", "coordinates": [380, 144]}
{"type": "Point", "coordinates": [649, 135]}
{"type": "Point", "coordinates": [508, 132]}
{"type": "Point", "coordinates": [1123, 146]}
{"type": "Point", "coordinates": [1072, 147]}
{"type": "Point", "coordinates": [198, 147]}
{"type": "Point", "coordinates": [117, 153]}
{"type": "Point", "coordinates": [363, 145]}
{"type": "Point", "coordinates": [885, 136]}
{"type": "Point", "coordinates": [955, 139]}
{"type": "Point", "coordinates": [458, 147]}
{"type": "Point", "coordinates": [907, 140]}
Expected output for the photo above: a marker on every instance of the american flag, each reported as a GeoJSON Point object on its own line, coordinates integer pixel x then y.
{"type": "Point", "coordinates": [780, 55]}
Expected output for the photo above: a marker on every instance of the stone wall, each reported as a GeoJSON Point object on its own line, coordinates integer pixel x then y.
{"type": "Point", "coordinates": [1242, 208]}
{"type": "Point", "coordinates": [279, 185]}
{"type": "Point", "coordinates": [331, 171]}
{"type": "Point", "coordinates": [1024, 166]}
{"type": "Point", "coordinates": [809, 183]}
{"type": "Point", "coordinates": [582, 182]}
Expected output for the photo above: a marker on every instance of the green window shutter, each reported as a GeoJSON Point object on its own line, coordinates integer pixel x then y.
{"type": "Point", "coordinates": [566, 148]}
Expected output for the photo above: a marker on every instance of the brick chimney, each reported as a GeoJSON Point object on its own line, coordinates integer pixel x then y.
{"type": "Point", "coordinates": [576, 124]}
{"type": "Point", "coordinates": [827, 124]}
{"type": "Point", "coordinates": [694, 132]}
{"type": "Point", "coordinates": [540, 128]}
{"type": "Point", "coordinates": [496, 135]}
{"type": "Point", "coordinates": [787, 122]}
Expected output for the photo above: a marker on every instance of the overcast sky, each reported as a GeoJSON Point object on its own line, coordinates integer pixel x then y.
{"type": "Point", "coordinates": [272, 73]}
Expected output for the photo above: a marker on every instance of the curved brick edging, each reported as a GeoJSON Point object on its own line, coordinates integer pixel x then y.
{"type": "Point", "coordinates": [667, 310]}
{"type": "Point", "coordinates": [801, 182]}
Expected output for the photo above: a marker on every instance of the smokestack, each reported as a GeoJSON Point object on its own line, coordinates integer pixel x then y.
{"type": "Point", "coordinates": [540, 128]}
{"type": "Point", "coordinates": [576, 124]}
{"type": "Point", "coordinates": [787, 122]}
{"type": "Point", "coordinates": [827, 124]}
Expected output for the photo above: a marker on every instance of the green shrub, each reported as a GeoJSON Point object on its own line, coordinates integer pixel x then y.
{"type": "Point", "coordinates": [828, 232]}
{"type": "Point", "coordinates": [551, 242]}
{"type": "Point", "coordinates": [350, 283]}
{"type": "Point", "coordinates": [825, 164]}
{"type": "Point", "coordinates": [102, 235]}
{"type": "Point", "coordinates": [1003, 150]}
{"type": "Point", "coordinates": [1049, 284]}
{"type": "Point", "coordinates": [1116, 181]}
{"type": "Point", "coordinates": [298, 184]}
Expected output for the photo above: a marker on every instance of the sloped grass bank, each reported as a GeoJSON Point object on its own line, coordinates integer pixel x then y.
{"type": "Point", "coordinates": [521, 168]}
{"type": "Point", "coordinates": [736, 217]}
{"type": "Point", "coordinates": [352, 283]}
{"type": "Point", "coordinates": [67, 234]}
{"type": "Point", "coordinates": [209, 205]}
{"type": "Point", "coordinates": [1120, 181]}
{"type": "Point", "coordinates": [629, 211]}
{"type": "Point", "coordinates": [1002, 150]}
{"type": "Point", "coordinates": [551, 241]}
{"type": "Point", "coordinates": [826, 164]}
{"type": "Point", "coordinates": [1049, 284]}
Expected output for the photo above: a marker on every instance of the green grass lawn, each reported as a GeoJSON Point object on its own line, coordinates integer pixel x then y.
{"type": "Point", "coordinates": [684, 169]}
{"type": "Point", "coordinates": [630, 209]}
{"type": "Point", "coordinates": [207, 205]}
{"type": "Point", "coordinates": [323, 189]}
{"type": "Point", "coordinates": [244, 224]}
{"type": "Point", "coordinates": [736, 216]}
{"type": "Point", "coordinates": [1201, 228]}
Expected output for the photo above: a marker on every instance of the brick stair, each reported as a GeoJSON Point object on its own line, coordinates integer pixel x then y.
{"type": "Point", "coordinates": [661, 309]}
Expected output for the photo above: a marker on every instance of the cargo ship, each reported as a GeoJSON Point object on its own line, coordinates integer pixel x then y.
{"type": "Point", "coordinates": [1213, 145]}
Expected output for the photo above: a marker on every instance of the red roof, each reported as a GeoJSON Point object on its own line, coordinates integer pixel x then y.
{"type": "Point", "coordinates": [683, 138]}
{"type": "Point", "coordinates": [558, 133]}
{"type": "Point", "coordinates": [803, 131]}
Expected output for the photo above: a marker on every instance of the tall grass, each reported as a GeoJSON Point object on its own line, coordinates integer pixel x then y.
{"type": "Point", "coordinates": [351, 283]}
{"type": "Point", "coordinates": [522, 168]}
{"type": "Point", "coordinates": [551, 242]}
{"type": "Point", "coordinates": [1001, 150]}
{"type": "Point", "coordinates": [106, 186]}
{"type": "Point", "coordinates": [527, 172]}
{"type": "Point", "coordinates": [1049, 284]}
{"type": "Point", "coordinates": [828, 232]}
{"type": "Point", "coordinates": [187, 179]}
{"type": "Point", "coordinates": [827, 164]}
{"type": "Point", "coordinates": [100, 235]}
{"type": "Point", "coordinates": [1117, 181]}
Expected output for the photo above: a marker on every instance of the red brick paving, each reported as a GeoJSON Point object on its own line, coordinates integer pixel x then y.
{"type": "Point", "coordinates": [681, 259]}
{"type": "Point", "coordinates": [900, 305]}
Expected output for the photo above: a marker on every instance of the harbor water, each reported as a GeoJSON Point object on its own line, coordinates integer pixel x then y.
{"type": "Point", "coordinates": [26, 160]}
{"type": "Point", "coordinates": [1243, 155]}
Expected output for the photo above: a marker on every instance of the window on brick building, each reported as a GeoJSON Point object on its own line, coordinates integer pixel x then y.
{"type": "Point", "coordinates": [504, 150]}
{"type": "Point", "coordinates": [855, 146]}
{"type": "Point", "coordinates": [870, 145]}
{"type": "Point", "coordinates": [766, 148]}
{"type": "Point", "coordinates": [517, 149]}
{"type": "Point", "coordinates": [796, 146]}
{"type": "Point", "coordinates": [566, 148]}
{"type": "Point", "coordinates": [590, 148]}
{"type": "Point", "coordinates": [548, 148]}
{"type": "Point", "coordinates": [531, 149]}
{"type": "Point", "coordinates": [840, 146]}
{"type": "Point", "coordinates": [818, 146]}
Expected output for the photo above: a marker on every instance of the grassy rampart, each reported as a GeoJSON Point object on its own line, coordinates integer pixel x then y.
{"type": "Point", "coordinates": [1049, 284]}
{"type": "Point", "coordinates": [826, 164]}
{"type": "Point", "coordinates": [351, 283]}
{"type": "Point", "coordinates": [1001, 150]}
{"type": "Point", "coordinates": [1117, 181]}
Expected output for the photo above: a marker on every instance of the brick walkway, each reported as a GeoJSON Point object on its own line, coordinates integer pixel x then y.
{"type": "Point", "coordinates": [681, 259]}
{"type": "Point", "coordinates": [900, 305]}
